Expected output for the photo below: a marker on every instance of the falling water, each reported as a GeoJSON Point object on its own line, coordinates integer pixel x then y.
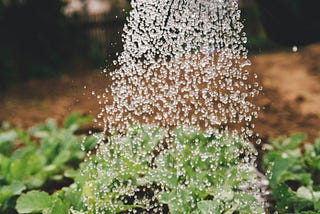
{"type": "Point", "coordinates": [185, 65]}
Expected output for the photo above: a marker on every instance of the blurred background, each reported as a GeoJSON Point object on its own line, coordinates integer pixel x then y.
{"type": "Point", "coordinates": [41, 38]}
{"type": "Point", "coordinates": [52, 53]}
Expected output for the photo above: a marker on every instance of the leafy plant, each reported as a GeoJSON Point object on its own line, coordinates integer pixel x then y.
{"type": "Point", "coordinates": [68, 199]}
{"type": "Point", "coordinates": [204, 175]}
{"type": "Point", "coordinates": [37, 159]}
{"type": "Point", "coordinates": [144, 171]}
{"type": "Point", "coordinates": [294, 169]}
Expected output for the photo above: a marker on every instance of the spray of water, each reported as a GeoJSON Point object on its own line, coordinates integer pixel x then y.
{"type": "Point", "coordinates": [184, 65]}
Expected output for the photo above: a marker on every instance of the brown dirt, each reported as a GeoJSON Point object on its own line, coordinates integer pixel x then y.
{"type": "Point", "coordinates": [290, 101]}
{"type": "Point", "coordinates": [291, 97]}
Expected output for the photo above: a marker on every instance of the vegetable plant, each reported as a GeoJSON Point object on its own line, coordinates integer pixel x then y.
{"type": "Point", "coordinates": [294, 169]}
{"type": "Point", "coordinates": [39, 158]}
{"type": "Point", "coordinates": [147, 171]}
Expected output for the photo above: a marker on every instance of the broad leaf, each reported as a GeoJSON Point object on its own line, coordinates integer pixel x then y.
{"type": "Point", "coordinates": [304, 192]}
{"type": "Point", "coordinates": [33, 202]}
{"type": "Point", "coordinates": [209, 207]}
{"type": "Point", "coordinates": [76, 120]}
{"type": "Point", "coordinates": [15, 188]}
{"type": "Point", "coordinates": [6, 141]}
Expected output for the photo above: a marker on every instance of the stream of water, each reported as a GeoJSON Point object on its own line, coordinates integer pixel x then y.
{"type": "Point", "coordinates": [184, 64]}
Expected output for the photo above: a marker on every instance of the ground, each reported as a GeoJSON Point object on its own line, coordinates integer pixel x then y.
{"type": "Point", "coordinates": [290, 100]}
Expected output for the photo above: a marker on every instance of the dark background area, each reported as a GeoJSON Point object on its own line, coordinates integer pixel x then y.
{"type": "Point", "coordinates": [291, 21]}
{"type": "Point", "coordinates": [35, 39]}
{"type": "Point", "coordinates": [39, 40]}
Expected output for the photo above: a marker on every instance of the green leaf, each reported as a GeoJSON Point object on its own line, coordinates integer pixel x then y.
{"type": "Point", "coordinates": [317, 205]}
{"type": "Point", "coordinates": [59, 207]}
{"type": "Point", "coordinates": [49, 148]}
{"type": "Point", "coordinates": [71, 173]}
{"type": "Point", "coordinates": [313, 161]}
{"type": "Point", "coordinates": [73, 195]}
{"type": "Point", "coordinates": [18, 169]}
{"type": "Point", "coordinates": [35, 163]}
{"type": "Point", "coordinates": [279, 168]}
{"type": "Point", "coordinates": [317, 145]}
{"type": "Point", "coordinates": [51, 125]}
{"type": "Point", "coordinates": [23, 152]}
{"type": "Point", "coordinates": [4, 165]}
{"type": "Point", "coordinates": [5, 194]}
{"type": "Point", "coordinates": [170, 198]}
{"type": "Point", "coordinates": [45, 130]}
{"type": "Point", "coordinates": [62, 157]}
{"type": "Point", "coordinates": [304, 192]}
{"type": "Point", "coordinates": [8, 136]}
{"type": "Point", "coordinates": [316, 195]}
{"type": "Point", "coordinates": [303, 178]}
{"type": "Point", "coordinates": [300, 204]}
{"type": "Point", "coordinates": [209, 207]}
{"type": "Point", "coordinates": [7, 141]}
{"type": "Point", "coordinates": [226, 193]}
{"type": "Point", "coordinates": [27, 169]}
{"type": "Point", "coordinates": [76, 120]}
{"type": "Point", "coordinates": [35, 181]}
{"type": "Point", "coordinates": [294, 141]}
{"type": "Point", "coordinates": [33, 202]}
{"type": "Point", "coordinates": [24, 136]}
{"type": "Point", "coordinates": [90, 143]}
{"type": "Point", "coordinates": [15, 188]}
{"type": "Point", "coordinates": [167, 197]}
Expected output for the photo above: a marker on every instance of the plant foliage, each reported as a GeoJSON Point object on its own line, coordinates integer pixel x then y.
{"type": "Point", "coordinates": [294, 168]}
{"type": "Point", "coordinates": [141, 171]}
{"type": "Point", "coordinates": [39, 158]}
{"type": "Point", "coordinates": [196, 174]}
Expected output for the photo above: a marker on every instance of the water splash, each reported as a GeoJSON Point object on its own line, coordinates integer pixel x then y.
{"type": "Point", "coordinates": [185, 65]}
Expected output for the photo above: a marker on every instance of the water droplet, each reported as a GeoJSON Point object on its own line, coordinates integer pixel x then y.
{"type": "Point", "coordinates": [184, 65]}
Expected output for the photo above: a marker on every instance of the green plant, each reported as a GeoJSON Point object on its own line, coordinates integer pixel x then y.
{"type": "Point", "coordinates": [38, 159]}
{"type": "Point", "coordinates": [64, 201]}
{"type": "Point", "coordinates": [204, 174]}
{"type": "Point", "coordinates": [294, 168]}
{"type": "Point", "coordinates": [145, 171]}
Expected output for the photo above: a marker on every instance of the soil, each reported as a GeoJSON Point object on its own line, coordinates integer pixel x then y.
{"type": "Point", "coordinates": [290, 100]}
{"type": "Point", "coordinates": [291, 97]}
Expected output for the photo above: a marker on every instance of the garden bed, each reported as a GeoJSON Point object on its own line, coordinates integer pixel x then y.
{"type": "Point", "coordinates": [42, 170]}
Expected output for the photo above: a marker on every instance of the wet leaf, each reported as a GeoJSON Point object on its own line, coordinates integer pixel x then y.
{"type": "Point", "coordinates": [34, 202]}
{"type": "Point", "coordinates": [209, 207]}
